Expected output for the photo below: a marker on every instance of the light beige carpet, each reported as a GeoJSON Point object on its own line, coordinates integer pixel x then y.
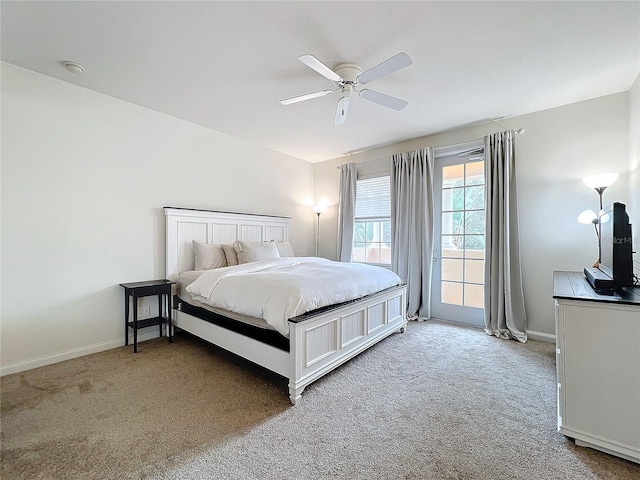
{"type": "Point", "coordinates": [440, 401]}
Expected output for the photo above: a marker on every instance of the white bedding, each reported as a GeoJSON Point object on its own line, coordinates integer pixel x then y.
{"type": "Point", "coordinates": [188, 277]}
{"type": "Point", "coordinates": [283, 288]}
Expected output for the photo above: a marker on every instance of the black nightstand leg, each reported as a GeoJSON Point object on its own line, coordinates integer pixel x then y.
{"type": "Point", "coordinates": [135, 323]}
{"type": "Point", "coordinates": [126, 317]}
{"type": "Point", "coordinates": [169, 325]}
{"type": "Point", "coordinates": [160, 313]}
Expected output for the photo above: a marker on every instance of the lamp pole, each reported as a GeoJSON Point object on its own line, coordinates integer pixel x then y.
{"type": "Point", "coordinates": [600, 191]}
{"type": "Point", "coordinates": [317, 233]}
{"type": "Point", "coordinates": [599, 183]}
{"type": "Point", "coordinates": [318, 209]}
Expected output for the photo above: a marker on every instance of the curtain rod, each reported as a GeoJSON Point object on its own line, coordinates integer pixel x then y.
{"type": "Point", "coordinates": [450, 148]}
{"type": "Point", "coordinates": [369, 161]}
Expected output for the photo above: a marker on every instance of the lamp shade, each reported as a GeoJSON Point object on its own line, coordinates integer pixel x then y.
{"type": "Point", "coordinates": [599, 181]}
{"type": "Point", "coordinates": [588, 216]}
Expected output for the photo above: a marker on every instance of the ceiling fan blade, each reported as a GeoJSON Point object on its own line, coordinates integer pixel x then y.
{"type": "Point", "coordinates": [341, 111]}
{"type": "Point", "coordinates": [312, 62]}
{"type": "Point", "coordinates": [390, 65]}
{"type": "Point", "coordinates": [308, 96]}
{"type": "Point", "coordinates": [382, 99]}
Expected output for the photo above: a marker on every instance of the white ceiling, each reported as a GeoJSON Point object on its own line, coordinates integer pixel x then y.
{"type": "Point", "coordinates": [226, 65]}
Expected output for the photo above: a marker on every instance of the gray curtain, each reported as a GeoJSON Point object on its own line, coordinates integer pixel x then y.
{"type": "Point", "coordinates": [346, 210]}
{"type": "Point", "coordinates": [504, 313]}
{"type": "Point", "coordinates": [412, 227]}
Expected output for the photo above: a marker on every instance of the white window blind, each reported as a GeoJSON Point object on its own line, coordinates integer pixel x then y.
{"type": "Point", "coordinates": [373, 198]}
{"type": "Point", "coordinates": [372, 228]}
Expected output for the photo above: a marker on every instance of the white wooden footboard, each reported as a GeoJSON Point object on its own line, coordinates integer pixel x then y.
{"type": "Point", "coordinates": [323, 342]}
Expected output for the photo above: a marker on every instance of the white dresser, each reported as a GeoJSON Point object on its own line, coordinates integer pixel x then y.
{"type": "Point", "coordinates": [598, 366]}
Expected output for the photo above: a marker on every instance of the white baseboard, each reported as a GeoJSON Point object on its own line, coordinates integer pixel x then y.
{"type": "Point", "coordinates": [541, 337]}
{"type": "Point", "coordinates": [533, 335]}
{"type": "Point", "coordinates": [75, 353]}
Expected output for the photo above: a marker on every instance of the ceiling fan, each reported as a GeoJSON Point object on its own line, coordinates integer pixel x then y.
{"type": "Point", "coordinates": [347, 77]}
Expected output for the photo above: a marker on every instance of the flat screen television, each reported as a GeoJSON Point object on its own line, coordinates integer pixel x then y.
{"type": "Point", "coordinates": [616, 258]}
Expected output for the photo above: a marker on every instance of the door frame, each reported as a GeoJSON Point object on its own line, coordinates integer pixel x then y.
{"type": "Point", "coordinates": [458, 313]}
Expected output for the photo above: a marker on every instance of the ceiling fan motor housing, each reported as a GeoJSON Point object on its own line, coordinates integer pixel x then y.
{"type": "Point", "coordinates": [349, 72]}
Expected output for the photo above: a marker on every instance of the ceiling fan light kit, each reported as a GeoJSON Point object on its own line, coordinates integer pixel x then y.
{"type": "Point", "coordinates": [347, 77]}
{"type": "Point", "coordinates": [341, 111]}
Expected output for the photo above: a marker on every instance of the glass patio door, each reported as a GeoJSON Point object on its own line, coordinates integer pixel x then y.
{"type": "Point", "coordinates": [458, 264]}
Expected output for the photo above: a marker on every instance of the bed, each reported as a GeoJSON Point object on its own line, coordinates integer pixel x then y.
{"type": "Point", "coordinates": [318, 341]}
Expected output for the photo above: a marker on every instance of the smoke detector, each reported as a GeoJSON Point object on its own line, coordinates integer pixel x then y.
{"type": "Point", "coordinates": [74, 67]}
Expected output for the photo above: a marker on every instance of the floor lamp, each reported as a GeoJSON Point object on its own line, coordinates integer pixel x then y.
{"type": "Point", "coordinates": [318, 209]}
{"type": "Point", "coordinates": [599, 183]}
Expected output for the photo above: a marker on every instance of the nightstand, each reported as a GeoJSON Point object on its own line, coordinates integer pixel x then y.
{"type": "Point", "coordinates": [135, 290]}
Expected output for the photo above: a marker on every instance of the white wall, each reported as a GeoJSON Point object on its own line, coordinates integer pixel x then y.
{"type": "Point", "coordinates": [84, 180]}
{"type": "Point", "coordinates": [559, 147]}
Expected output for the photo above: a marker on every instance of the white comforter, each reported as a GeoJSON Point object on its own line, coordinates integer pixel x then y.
{"type": "Point", "coordinates": [279, 289]}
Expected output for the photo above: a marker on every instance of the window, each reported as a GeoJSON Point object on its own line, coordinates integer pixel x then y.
{"type": "Point", "coordinates": [372, 229]}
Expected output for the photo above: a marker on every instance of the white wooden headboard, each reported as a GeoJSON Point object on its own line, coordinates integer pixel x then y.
{"type": "Point", "coordinates": [206, 226]}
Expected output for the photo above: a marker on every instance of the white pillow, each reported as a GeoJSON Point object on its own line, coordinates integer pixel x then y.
{"type": "Point", "coordinates": [230, 253]}
{"type": "Point", "coordinates": [254, 251]}
{"type": "Point", "coordinates": [208, 256]}
{"type": "Point", "coordinates": [285, 249]}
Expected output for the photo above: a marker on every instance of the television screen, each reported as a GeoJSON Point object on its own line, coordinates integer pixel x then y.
{"type": "Point", "coordinates": [616, 257]}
